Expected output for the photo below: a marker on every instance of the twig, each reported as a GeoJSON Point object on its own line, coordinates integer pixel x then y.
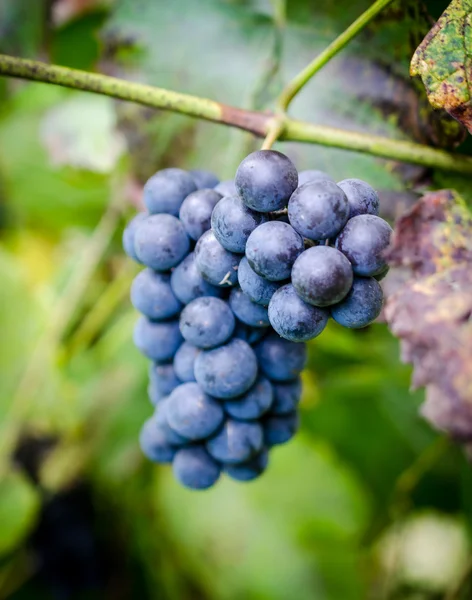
{"type": "Point", "coordinates": [300, 80]}
{"type": "Point", "coordinates": [257, 123]}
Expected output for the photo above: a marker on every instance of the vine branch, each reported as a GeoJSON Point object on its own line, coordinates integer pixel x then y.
{"type": "Point", "coordinates": [300, 80]}
{"type": "Point", "coordinates": [258, 123]}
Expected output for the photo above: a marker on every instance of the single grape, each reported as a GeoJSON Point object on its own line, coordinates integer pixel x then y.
{"type": "Point", "coordinates": [236, 442]}
{"type": "Point", "coordinates": [249, 470]}
{"type": "Point", "coordinates": [322, 276]}
{"type": "Point", "coordinates": [152, 295]}
{"type": "Point", "coordinates": [265, 180]}
{"type": "Point", "coordinates": [363, 241]}
{"type": "Point", "coordinates": [272, 248]}
{"type": "Point", "coordinates": [195, 212]}
{"type": "Point", "coordinates": [215, 263]}
{"type": "Point", "coordinates": [247, 311]}
{"type": "Point", "coordinates": [207, 322]}
{"type": "Point", "coordinates": [129, 233]}
{"type": "Point", "coordinates": [280, 429]}
{"type": "Point", "coordinates": [279, 359]}
{"type": "Point", "coordinates": [361, 306]}
{"type": "Point", "coordinates": [184, 362]}
{"type": "Point", "coordinates": [251, 335]}
{"type": "Point", "coordinates": [362, 198]}
{"type": "Point", "coordinates": [153, 443]}
{"type": "Point", "coordinates": [253, 404]}
{"type": "Point", "coordinates": [312, 175]}
{"type": "Point", "coordinates": [233, 222]}
{"type": "Point", "coordinates": [157, 341]}
{"type": "Point", "coordinates": [294, 319]}
{"type": "Point", "coordinates": [227, 371]}
{"type": "Point", "coordinates": [161, 419]}
{"type": "Point", "coordinates": [165, 191]}
{"type": "Point", "coordinates": [188, 284]}
{"type": "Point", "coordinates": [163, 380]}
{"type": "Point", "coordinates": [204, 179]}
{"type": "Point", "coordinates": [161, 242]}
{"type": "Point", "coordinates": [192, 413]}
{"type": "Point", "coordinates": [259, 289]}
{"type": "Point", "coordinates": [286, 397]}
{"type": "Point", "coordinates": [226, 188]}
{"type": "Point", "coordinates": [194, 468]}
{"type": "Point", "coordinates": [318, 210]}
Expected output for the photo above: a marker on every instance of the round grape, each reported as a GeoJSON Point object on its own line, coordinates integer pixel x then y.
{"type": "Point", "coordinates": [322, 276]}
{"type": "Point", "coordinates": [152, 295]}
{"type": "Point", "coordinates": [272, 248]}
{"type": "Point", "coordinates": [318, 210]}
{"type": "Point", "coordinates": [294, 319]}
{"type": "Point", "coordinates": [161, 242]}
{"type": "Point", "coordinates": [249, 470]}
{"type": "Point", "coordinates": [204, 179]}
{"type": "Point", "coordinates": [362, 198]}
{"type": "Point", "coordinates": [259, 289]}
{"type": "Point", "coordinates": [265, 180]}
{"type": "Point", "coordinates": [247, 311]}
{"type": "Point", "coordinates": [232, 223]}
{"type": "Point", "coordinates": [286, 397]}
{"type": "Point", "coordinates": [312, 175]}
{"type": "Point", "coordinates": [279, 359]}
{"type": "Point", "coordinates": [188, 284]}
{"type": "Point", "coordinates": [215, 263]}
{"type": "Point", "coordinates": [192, 413]}
{"type": "Point", "coordinates": [184, 362]}
{"type": "Point", "coordinates": [207, 322]}
{"type": "Point", "coordinates": [280, 429]}
{"type": "Point", "coordinates": [254, 403]}
{"type": "Point", "coordinates": [227, 371]}
{"type": "Point", "coordinates": [165, 191]}
{"type": "Point", "coordinates": [251, 335]}
{"type": "Point", "coordinates": [195, 212]}
{"type": "Point", "coordinates": [153, 443]}
{"type": "Point", "coordinates": [226, 188]}
{"type": "Point", "coordinates": [129, 233]}
{"type": "Point", "coordinates": [363, 241]}
{"type": "Point", "coordinates": [157, 341]}
{"type": "Point", "coordinates": [236, 442]}
{"type": "Point", "coordinates": [194, 468]}
{"type": "Point", "coordinates": [361, 306]}
{"type": "Point", "coordinates": [163, 380]}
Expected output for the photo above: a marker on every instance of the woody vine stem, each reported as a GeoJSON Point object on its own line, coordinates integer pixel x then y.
{"type": "Point", "coordinates": [269, 125]}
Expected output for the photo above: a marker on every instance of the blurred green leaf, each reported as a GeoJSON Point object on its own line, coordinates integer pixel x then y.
{"type": "Point", "coordinates": [19, 505]}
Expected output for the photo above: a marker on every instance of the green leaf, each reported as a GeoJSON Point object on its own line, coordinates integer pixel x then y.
{"type": "Point", "coordinates": [19, 505]}
{"type": "Point", "coordinates": [444, 62]}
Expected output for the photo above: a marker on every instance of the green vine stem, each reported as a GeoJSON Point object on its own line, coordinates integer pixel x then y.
{"type": "Point", "coordinates": [258, 123]}
{"type": "Point", "coordinates": [300, 80]}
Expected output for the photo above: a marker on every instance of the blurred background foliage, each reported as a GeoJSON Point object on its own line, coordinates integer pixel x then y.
{"type": "Point", "coordinates": [368, 501]}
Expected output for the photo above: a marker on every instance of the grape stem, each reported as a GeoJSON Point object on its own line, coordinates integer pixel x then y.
{"type": "Point", "coordinates": [258, 123]}
{"type": "Point", "coordinates": [299, 81]}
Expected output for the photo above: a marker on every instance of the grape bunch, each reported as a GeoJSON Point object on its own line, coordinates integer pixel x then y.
{"type": "Point", "coordinates": [239, 275]}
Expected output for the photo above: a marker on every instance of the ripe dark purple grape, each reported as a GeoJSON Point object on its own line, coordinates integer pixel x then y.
{"type": "Point", "coordinates": [251, 469]}
{"type": "Point", "coordinates": [160, 242]}
{"type": "Point", "coordinates": [272, 248]}
{"type": "Point", "coordinates": [279, 359]}
{"type": "Point", "coordinates": [158, 341]}
{"type": "Point", "coordinates": [361, 306]}
{"type": "Point", "coordinates": [236, 442]}
{"type": "Point", "coordinates": [265, 180]}
{"type": "Point", "coordinates": [294, 319]}
{"type": "Point", "coordinates": [204, 179]}
{"type": "Point", "coordinates": [254, 403]}
{"type": "Point", "coordinates": [207, 322]}
{"type": "Point", "coordinates": [195, 212]}
{"type": "Point", "coordinates": [322, 276]}
{"type": "Point", "coordinates": [194, 468]}
{"type": "Point", "coordinates": [233, 222]}
{"type": "Point", "coordinates": [165, 191]}
{"type": "Point", "coordinates": [152, 295]}
{"type": "Point", "coordinates": [246, 310]}
{"type": "Point", "coordinates": [318, 210]}
{"type": "Point", "coordinates": [187, 282]}
{"type": "Point", "coordinates": [259, 289]}
{"type": "Point", "coordinates": [362, 198]}
{"type": "Point", "coordinates": [363, 241]}
{"type": "Point", "coordinates": [216, 265]}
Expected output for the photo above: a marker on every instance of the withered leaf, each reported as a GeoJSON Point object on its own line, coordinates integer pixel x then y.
{"type": "Point", "coordinates": [431, 311]}
{"type": "Point", "coordinates": [444, 62]}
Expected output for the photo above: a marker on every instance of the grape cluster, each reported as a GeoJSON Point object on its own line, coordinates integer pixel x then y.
{"type": "Point", "coordinates": [239, 275]}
